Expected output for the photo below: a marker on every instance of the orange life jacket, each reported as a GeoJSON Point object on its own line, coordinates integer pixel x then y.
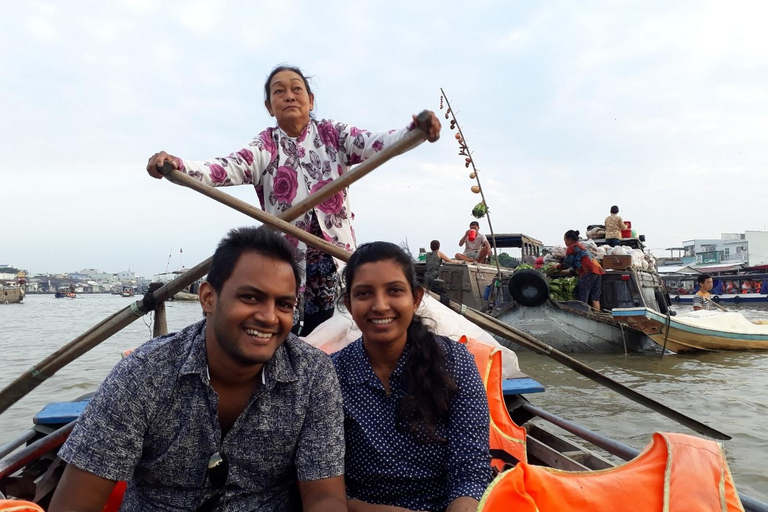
{"type": "Point", "coordinates": [19, 506]}
{"type": "Point", "coordinates": [506, 436]}
{"type": "Point", "coordinates": [675, 473]}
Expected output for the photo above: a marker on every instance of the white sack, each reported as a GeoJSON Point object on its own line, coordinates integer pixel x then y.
{"type": "Point", "coordinates": [340, 330]}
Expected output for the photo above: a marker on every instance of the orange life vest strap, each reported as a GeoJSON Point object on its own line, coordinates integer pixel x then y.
{"type": "Point", "coordinates": [505, 435]}
{"type": "Point", "coordinates": [19, 506]}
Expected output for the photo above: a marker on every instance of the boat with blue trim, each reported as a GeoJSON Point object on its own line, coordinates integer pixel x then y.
{"type": "Point", "coordinates": [740, 288]}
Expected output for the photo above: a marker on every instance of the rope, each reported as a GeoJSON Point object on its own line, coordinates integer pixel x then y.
{"type": "Point", "coordinates": [623, 339]}
{"type": "Point", "coordinates": [37, 374]}
{"type": "Point", "coordinates": [666, 335]}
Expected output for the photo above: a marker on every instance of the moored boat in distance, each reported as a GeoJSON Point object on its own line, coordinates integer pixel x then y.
{"type": "Point", "coordinates": [698, 330]}
{"type": "Point", "coordinates": [12, 295]}
{"type": "Point", "coordinates": [127, 291]}
{"type": "Point", "coordinates": [66, 293]}
{"type": "Point", "coordinates": [522, 299]}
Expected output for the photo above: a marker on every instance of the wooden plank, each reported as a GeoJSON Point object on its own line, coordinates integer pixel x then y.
{"type": "Point", "coordinates": [570, 449]}
{"type": "Point", "coordinates": [550, 457]}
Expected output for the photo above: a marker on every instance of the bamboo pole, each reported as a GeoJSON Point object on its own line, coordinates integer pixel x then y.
{"type": "Point", "coordinates": [487, 322]}
{"type": "Point", "coordinates": [524, 339]}
{"type": "Point", "coordinates": [45, 369]}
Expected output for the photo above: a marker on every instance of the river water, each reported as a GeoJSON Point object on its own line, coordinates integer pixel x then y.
{"type": "Point", "coordinates": [727, 391]}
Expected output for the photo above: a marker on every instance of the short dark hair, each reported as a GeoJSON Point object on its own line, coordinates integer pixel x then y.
{"type": "Point", "coordinates": [261, 240]}
{"type": "Point", "coordinates": [614, 209]}
{"type": "Point", "coordinates": [572, 234]}
{"type": "Point", "coordinates": [702, 278]}
{"type": "Point", "coordinates": [434, 245]}
{"type": "Point", "coordinates": [474, 223]}
{"type": "Point", "coordinates": [285, 67]}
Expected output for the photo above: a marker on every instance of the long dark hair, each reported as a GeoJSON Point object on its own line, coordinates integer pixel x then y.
{"type": "Point", "coordinates": [429, 385]}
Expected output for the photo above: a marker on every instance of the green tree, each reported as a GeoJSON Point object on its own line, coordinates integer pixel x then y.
{"type": "Point", "coordinates": [505, 260]}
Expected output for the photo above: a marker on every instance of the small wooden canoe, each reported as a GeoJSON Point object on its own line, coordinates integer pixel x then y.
{"type": "Point", "coordinates": [710, 331]}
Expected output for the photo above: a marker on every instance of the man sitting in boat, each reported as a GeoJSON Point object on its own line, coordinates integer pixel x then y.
{"type": "Point", "coordinates": [233, 412]}
{"type": "Point", "coordinates": [703, 299]}
{"type": "Point", "coordinates": [477, 247]}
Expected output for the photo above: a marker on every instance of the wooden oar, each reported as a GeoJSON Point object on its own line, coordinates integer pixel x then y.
{"type": "Point", "coordinates": [33, 377]}
{"type": "Point", "coordinates": [524, 339]}
{"type": "Point", "coordinates": [487, 322]}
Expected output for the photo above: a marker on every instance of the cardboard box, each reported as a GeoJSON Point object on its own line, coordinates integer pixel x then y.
{"type": "Point", "coordinates": [616, 262]}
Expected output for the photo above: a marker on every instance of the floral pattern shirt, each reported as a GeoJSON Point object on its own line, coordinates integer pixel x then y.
{"type": "Point", "coordinates": [285, 170]}
{"type": "Point", "coordinates": [613, 226]}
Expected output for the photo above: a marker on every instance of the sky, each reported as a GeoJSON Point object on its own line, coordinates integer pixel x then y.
{"type": "Point", "coordinates": [568, 107]}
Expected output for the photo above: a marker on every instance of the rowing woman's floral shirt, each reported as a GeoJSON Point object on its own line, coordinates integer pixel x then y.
{"type": "Point", "coordinates": [285, 170]}
{"type": "Point", "coordinates": [154, 422]}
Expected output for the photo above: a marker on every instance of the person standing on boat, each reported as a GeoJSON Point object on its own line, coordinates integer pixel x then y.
{"type": "Point", "coordinates": [416, 415]}
{"type": "Point", "coordinates": [703, 299]}
{"type": "Point", "coordinates": [434, 260]}
{"type": "Point", "coordinates": [477, 247]}
{"type": "Point", "coordinates": [590, 272]}
{"type": "Point", "coordinates": [613, 227]}
{"type": "Point", "coordinates": [291, 161]}
{"type": "Point", "coordinates": [233, 412]}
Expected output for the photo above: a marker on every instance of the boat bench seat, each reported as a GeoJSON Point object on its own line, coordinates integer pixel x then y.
{"type": "Point", "coordinates": [520, 386]}
{"type": "Point", "coordinates": [57, 413]}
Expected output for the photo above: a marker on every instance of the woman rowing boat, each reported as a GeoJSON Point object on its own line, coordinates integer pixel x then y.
{"type": "Point", "coordinates": [291, 161]}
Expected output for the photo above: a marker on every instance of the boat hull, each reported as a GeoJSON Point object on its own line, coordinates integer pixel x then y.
{"type": "Point", "coordinates": [565, 327]}
{"type": "Point", "coordinates": [11, 295]}
{"type": "Point", "coordinates": [682, 337]}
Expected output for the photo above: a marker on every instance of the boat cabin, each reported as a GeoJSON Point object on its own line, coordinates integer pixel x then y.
{"type": "Point", "coordinates": [476, 284]}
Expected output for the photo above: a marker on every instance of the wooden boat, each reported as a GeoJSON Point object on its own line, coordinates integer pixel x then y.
{"type": "Point", "coordinates": [682, 333]}
{"type": "Point", "coordinates": [29, 468]}
{"type": "Point", "coordinates": [12, 295]}
{"type": "Point", "coordinates": [522, 299]}
{"type": "Point", "coordinates": [127, 291]}
{"type": "Point", "coordinates": [573, 327]}
{"type": "Point", "coordinates": [186, 296]}
{"type": "Point", "coordinates": [66, 294]}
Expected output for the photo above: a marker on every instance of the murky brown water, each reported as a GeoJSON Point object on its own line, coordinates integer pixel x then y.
{"type": "Point", "coordinates": [725, 390]}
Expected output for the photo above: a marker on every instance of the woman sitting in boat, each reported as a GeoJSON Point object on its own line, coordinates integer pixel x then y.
{"type": "Point", "coordinates": [590, 272]}
{"type": "Point", "coordinates": [289, 162]}
{"type": "Point", "coordinates": [415, 412]}
{"type": "Point", "coordinates": [703, 299]}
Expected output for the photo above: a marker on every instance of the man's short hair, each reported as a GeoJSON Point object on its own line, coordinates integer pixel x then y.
{"type": "Point", "coordinates": [261, 240]}
{"type": "Point", "coordinates": [434, 245]}
{"type": "Point", "coordinates": [702, 278]}
{"type": "Point", "coordinates": [474, 223]}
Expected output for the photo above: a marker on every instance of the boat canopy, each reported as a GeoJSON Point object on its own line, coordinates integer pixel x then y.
{"type": "Point", "coordinates": [528, 244]}
{"type": "Point", "coordinates": [677, 269]}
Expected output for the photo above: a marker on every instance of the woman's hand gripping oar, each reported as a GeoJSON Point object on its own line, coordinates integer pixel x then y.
{"type": "Point", "coordinates": [482, 320]}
